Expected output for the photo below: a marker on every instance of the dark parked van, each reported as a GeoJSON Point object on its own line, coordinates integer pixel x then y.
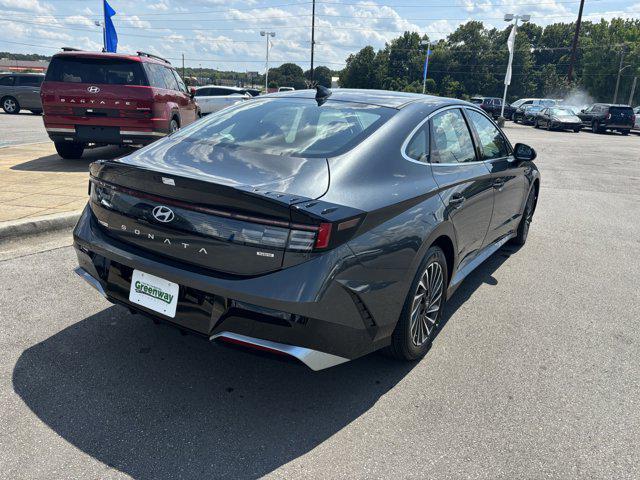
{"type": "Point", "coordinates": [112, 99]}
{"type": "Point", "coordinates": [20, 91]}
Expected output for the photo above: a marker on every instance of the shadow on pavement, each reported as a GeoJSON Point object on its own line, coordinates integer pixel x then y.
{"type": "Point", "coordinates": [155, 404]}
{"type": "Point", "coordinates": [53, 163]}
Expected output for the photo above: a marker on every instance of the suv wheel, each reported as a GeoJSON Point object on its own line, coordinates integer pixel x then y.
{"type": "Point", "coordinates": [525, 222]}
{"type": "Point", "coordinates": [422, 309]}
{"type": "Point", "coordinates": [10, 105]}
{"type": "Point", "coordinates": [69, 150]}
{"type": "Point", "coordinates": [624, 132]}
{"type": "Point", "coordinates": [536, 124]}
{"type": "Point", "coordinates": [174, 126]}
{"type": "Point", "coordinates": [595, 128]}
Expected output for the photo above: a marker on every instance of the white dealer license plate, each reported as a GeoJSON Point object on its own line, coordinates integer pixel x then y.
{"type": "Point", "coordinates": [154, 293]}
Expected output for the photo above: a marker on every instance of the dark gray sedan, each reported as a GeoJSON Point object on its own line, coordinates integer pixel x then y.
{"type": "Point", "coordinates": [322, 225]}
{"type": "Point", "coordinates": [20, 91]}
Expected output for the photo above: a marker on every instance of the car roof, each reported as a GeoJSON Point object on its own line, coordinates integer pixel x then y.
{"type": "Point", "coordinates": [26, 74]}
{"type": "Point", "coordinates": [382, 98]}
{"type": "Point", "coordinates": [239, 89]}
{"type": "Point", "coordinates": [122, 56]}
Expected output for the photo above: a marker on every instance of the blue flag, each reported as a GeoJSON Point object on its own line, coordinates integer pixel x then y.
{"type": "Point", "coordinates": [110, 35]}
{"type": "Point", "coordinates": [426, 64]}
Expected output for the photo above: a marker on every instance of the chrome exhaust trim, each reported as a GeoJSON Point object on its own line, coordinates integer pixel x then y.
{"type": "Point", "coordinates": [87, 277]}
{"type": "Point", "coordinates": [313, 359]}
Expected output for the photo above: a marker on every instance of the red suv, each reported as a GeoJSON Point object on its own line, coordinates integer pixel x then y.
{"type": "Point", "coordinates": [112, 99]}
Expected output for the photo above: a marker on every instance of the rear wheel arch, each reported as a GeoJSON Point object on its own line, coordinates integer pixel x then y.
{"type": "Point", "coordinates": [445, 244]}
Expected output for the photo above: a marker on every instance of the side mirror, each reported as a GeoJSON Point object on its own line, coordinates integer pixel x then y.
{"type": "Point", "coordinates": [192, 92]}
{"type": "Point", "coordinates": [524, 153]}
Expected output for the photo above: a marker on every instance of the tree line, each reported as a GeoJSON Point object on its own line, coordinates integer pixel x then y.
{"type": "Point", "coordinates": [473, 60]}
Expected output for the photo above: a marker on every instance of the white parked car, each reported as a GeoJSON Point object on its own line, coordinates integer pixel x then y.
{"type": "Point", "coordinates": [212, 98]}
{"type": "Point", "coordinates": [637, 113]}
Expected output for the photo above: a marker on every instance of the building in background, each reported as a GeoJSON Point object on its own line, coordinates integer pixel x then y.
{"type": "Point", "coordinates": [10, 65]}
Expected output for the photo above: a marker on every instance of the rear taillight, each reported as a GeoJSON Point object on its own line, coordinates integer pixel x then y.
{"type": "Point", "coordinates": [324, 235]}
{"type": "Point", "coordinates": [608, 117]}
{"type": "Point", "coordinates": [633, 119]}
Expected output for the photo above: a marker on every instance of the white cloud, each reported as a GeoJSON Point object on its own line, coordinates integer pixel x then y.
{"type": "Point", "coordinates": [135, 21]}
{"type": "Point", "coordinates": [160, 6]}
{"type": "Point", "coordinates": [29, 5]}
{"type": "Point", "coordinates": [79, 20]}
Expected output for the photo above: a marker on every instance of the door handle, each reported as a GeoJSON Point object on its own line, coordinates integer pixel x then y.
{"type": "Point", "coordinates": [499, 183]}
{"type": "Point", "coordinates": [456, 200]}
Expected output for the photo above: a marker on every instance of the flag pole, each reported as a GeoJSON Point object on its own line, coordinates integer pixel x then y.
{"type": "Point", "coordinates": [104, 28]}
{"type": "Point", "coordinates": [507, 81]}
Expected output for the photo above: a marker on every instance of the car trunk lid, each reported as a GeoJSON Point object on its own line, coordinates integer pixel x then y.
{"type": "Point", "coordinates": [224, 210]}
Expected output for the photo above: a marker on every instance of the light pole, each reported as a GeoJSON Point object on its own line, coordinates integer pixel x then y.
{"type": "Point", "coordinates": [97, 23]}
{"type": "Point", "coordinates": [620, 70]}
{"type": "Point", "coordinates": [426, 64]}
{"type": "Point", "coordinates": [266, 70]}
{"type": "Point", "coordinates": [511, 43]}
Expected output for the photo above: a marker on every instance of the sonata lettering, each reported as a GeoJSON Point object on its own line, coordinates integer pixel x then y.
{"type": "Point", "coordinates": [152, 236]}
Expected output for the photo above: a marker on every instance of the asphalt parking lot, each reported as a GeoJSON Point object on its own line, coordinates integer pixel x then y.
{"type": "Point", "coordinates": [534, 375]}
{"type": "Point", "coordinates": [20, 129]}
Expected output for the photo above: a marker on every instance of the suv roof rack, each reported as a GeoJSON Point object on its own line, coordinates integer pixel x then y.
{"type": "Point", "coordinates": [70, 49]}
{"type": "Point", "coordinates": [145, 54]}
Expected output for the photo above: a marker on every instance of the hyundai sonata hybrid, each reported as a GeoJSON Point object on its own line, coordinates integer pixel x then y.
{"type": "Point", "coordinates": [319, 224]}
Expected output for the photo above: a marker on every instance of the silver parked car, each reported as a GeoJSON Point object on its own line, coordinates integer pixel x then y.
{"type": "Point", "coordinates": [212, 98]}
{"type": "Point", "coordinates": [20, 91]}
{"type": "Point", "coordinates": [636, 125]}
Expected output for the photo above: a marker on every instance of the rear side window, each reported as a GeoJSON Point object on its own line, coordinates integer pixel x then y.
{"type": "Point", "coordinates": [169, 79]}
{"type": "Point", "coordinates": [155, 74]}
{"type": "Point", "coordinates": [418, 146]}
{"type": "Point", "coordinates": [110, 71]}
{"type": "Point", "coordinates": [6, 81]}
{"type": "Point", "coordinates": [451, 139]}
{"type": "Point", "coordinates": [492, 142]}
{"type": "Point", "coordinates": [181, 86]}
{"type": "Point", "coordinates": [295, 127]}
{"type": "Point", "coordinates": [30, 81]}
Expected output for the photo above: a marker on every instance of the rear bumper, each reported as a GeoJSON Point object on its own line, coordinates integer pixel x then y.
{"type": "Point", "coordinates": [104, 135]}
{"type": "Point", "coordinates": [311, 311]}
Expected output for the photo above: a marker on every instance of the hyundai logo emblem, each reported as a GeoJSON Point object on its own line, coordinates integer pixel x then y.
{"type": "Point", "coordinates": [163, 214]}
{"type": "Point", "coordinates": [93, 89]}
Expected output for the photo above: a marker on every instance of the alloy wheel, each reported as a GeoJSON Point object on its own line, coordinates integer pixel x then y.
{"type": "Point", "coordinates": [426, 303]}
{"type": "Point", "coordinates": [9, 105]}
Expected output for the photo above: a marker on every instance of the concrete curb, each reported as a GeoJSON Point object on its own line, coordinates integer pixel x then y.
{"type": "Point", "coordinates": [38, 225]}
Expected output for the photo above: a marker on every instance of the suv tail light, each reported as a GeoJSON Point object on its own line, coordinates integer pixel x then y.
{"type": "Point", "coordinates": [608, 116]}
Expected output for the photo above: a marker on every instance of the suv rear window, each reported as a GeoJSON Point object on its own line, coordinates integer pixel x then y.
{"type": "Point", "coordinates": [625, 110]}
{"type": "Point", "coordinates": [291, 127]}
{"type": "Point", "coordinates": [108, 71]}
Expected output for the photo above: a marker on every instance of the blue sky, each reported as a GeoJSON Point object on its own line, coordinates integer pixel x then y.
{"type": "Point", "coordinates": [225, 34]}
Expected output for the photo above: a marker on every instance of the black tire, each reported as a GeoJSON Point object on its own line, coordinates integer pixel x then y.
{"type": "Point", "coordinates": [536, 124]}
{"type": "Point", "coordinates": [624, 132]}
{"type": "Point", "coordinates": [403, 345]}
{"type": "Point", "coordinates": [595, 128]}
{"type": "Point", "coordinates": [69, 150]}
{"type": "Point", "coordinates": [548, 126]}
{"type": "Point", "coordinates": [525, 222]}
{"type": "Point", "coordinates": [515, 118]}
{"type": "Point", "coordinates": [577, 129]}
{"type": "Point", "coordinates": [174, 125]}
{"type": "Point", "coordinates": [36, 112]}
{"type": "Point", "coordinates": [10, 105]}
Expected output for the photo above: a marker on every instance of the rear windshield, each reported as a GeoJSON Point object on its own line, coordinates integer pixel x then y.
{"type": "Point", "coordinates": [295, 127]}
{"type": "Point", "coordinates": [477, 101]}
{"type": "Point", "coordinates": [624, 110]}
{"type": "Point", "coordinates": [561, 111]}
{"type": "Point", "coordinates": [108, 71]}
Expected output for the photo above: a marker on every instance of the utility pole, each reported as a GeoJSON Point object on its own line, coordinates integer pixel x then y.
{"type": "Point", "coordinates": [183, 66]}
{"type": "Point", "coordinates": [622, 52]}
{"type": "Point", "coordinates": [574, 45]}
{"type": "Point", "coordinates": [266, 70]}
{"type": "Point", "coordinates": [313, 32]}
{"type": "Point", "coordinates": [633, 90]}
{"type": "Point", "coordinates": [426, 64]}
